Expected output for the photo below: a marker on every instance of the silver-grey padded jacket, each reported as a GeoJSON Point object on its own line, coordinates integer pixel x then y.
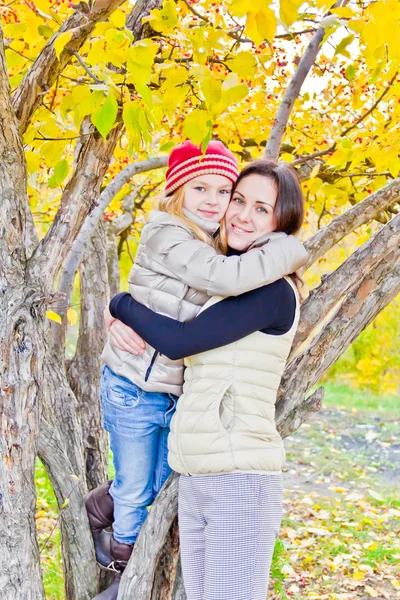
{"type": "Point", "coordinates": [175, 274]}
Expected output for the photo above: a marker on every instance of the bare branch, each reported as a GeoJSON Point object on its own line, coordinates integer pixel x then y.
{"type": "Point", "coordinates": [292, 92]}
{"type": "Point", "coordinates": [301, 413]}
{"type": "Point", "coordinates": [324, 298]}
{"type": "Point", "coordinates": [375, 291]}
{"type": "Point", "coordinates": [46, 68]}
{"type": "Point", "coordinates": [373, 107]}
{"type": "Point", "coordinates": [360, 214]}
{"type": "Point", "coordinates": [86, 68]}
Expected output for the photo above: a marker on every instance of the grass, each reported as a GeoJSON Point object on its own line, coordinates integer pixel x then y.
{"type": "Point", "coordinates": [343, 397]}
{"type": "Point", "coordinates": [340, 533]}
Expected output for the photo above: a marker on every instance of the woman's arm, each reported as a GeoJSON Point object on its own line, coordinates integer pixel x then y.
{"type": "Point", "coordinates": [200, 266]}
{"type": "Point", "coordinates": [270, 309]}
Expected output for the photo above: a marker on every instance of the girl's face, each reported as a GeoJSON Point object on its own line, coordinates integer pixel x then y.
{"type": "Point", "coordinates": [208, 196]}
{"type": "Point", "coordinates": [250, 213]}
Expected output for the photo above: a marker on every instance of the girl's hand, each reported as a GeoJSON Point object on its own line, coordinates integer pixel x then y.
{"type": "Point", "coordinates": [124, 338]}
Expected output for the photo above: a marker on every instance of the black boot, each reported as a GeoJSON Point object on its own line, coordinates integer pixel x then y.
{"type": "Point", "coordinates": [100, 509]}
{"type": "Point", "coordinates": [120, 554]}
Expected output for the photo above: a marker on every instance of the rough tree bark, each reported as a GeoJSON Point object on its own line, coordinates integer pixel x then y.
{"type": "Point", "coordinates": [21, 372]}
{"type": "Point", "coordinates": [324, 298]}
{"type": "Point", "coordinates": [84, 369]}
{"type": "Point", "coordinates": [78, 556]}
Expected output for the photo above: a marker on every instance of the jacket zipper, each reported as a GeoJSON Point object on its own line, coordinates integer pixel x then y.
{"type": "Point", "coordinates": [153, 360]}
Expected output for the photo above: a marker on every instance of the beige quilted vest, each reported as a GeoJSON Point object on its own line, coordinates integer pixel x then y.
{"type": "Point", "coordinates": [225, 418]}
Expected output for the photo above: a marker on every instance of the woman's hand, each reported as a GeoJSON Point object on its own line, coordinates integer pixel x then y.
{"type": "Point", "coordinates": [108, 318]}
{"type": "Point", "coordinates": [124, 338]}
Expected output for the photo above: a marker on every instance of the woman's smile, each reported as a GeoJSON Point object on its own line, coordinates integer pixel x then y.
{"type": "Point", "coordinates": [236, 229]}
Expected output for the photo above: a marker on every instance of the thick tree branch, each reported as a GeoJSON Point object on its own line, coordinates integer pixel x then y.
{"type": "Point", "coordinates": [77, 202]}
{"type": "Point", "coordinates": [78, 248]}
{"type": "Point", "coordinates": [12, 174]}
{"type": "Point", "coordinates": [46, 68]}
{"type": "Point", "coordinates": [359, 307]}
{"type": "Point", "coordinates": [324, 298]}
{"type": "Point", "coordinates": [84, 369]}
{"type": "Point", "coordinates": [360, 214]}
{"type": "Point", "coordinates": [137, 580]}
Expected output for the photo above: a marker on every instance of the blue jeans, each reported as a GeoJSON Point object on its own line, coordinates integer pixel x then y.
{"type": "Point", "coordinates": [138, 424]}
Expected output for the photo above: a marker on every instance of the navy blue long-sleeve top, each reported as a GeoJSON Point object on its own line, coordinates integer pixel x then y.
{"type": "Point", "coordinates": [269, 309]}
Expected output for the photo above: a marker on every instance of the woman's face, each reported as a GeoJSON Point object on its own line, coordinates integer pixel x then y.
{"type": "Point", "coordinates": [207, 196]}
{"type": "Point", "coordinates": [251, 213]}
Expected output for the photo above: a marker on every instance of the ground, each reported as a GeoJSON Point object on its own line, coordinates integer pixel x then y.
{"type": "Point", "coordinates": [340, 533]}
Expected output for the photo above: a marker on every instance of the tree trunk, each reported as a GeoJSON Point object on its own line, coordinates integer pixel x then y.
{"type": "Point", "coordinates": [84, 368]}
{"type": "Point", "coordinates": [80, 572]}
{"type": "Point", "coordinates": [21, 372]}
{"type": "Point", "coordinates": [139, 577]}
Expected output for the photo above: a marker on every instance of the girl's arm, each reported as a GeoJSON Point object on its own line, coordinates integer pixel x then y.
{"type": "Point", "coordinates": [200, 266]}
{"type": "Point", "coordinates": [270, 309]}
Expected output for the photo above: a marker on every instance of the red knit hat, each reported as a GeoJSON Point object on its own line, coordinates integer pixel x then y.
{"type": "Point", "coordinates": [187, 161]}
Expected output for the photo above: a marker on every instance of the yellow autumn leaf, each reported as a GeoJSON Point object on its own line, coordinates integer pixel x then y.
{"type": "Point", "coordinates": [118, 18]}
{"type": "Point", "coordinates": [315, 171]}
{"type": "Point", "coordinates": [358, 575]}
{"type": "Point", "coordinates": [72, 316]}
{"type": "Point", "coordinates": [53, 316]}
{"type": "Point", "coordinates": [32, 161]}
{"type": "Point", "coordinates": [61, 41]}
{"type": "Point", "coordinates": [371, 592]}
{"type": "Point", "coordinates": [288, 10]}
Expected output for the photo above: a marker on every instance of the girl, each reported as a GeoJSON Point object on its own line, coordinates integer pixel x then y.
{"type": "Point", "coordinates": [176, 270]}
{"type": "Point", "coordinates": [223, 437]}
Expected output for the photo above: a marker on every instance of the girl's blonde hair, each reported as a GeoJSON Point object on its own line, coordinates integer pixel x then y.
{"type": "Point", "coordinates": [173, 204]}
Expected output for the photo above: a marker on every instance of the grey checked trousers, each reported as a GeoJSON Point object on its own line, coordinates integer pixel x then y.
{"type": "Point", "coordinates": [228, 524]}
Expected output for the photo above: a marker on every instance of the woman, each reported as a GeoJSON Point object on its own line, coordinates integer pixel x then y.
{"type": "Point", "coordinates": [223, 437]}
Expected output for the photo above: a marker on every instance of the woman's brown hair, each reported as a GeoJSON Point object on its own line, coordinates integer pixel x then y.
{"type": "Point", "coordinates": [289, 207]}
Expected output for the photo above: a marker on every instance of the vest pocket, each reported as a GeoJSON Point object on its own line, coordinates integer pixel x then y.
{"type": "Point", "coordinates": [224, 410]}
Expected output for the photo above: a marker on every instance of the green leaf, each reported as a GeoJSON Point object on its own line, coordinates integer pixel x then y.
{"type": "Point", "coordinates": [65, 503]}
{"type": "Point", "coordinates": [103, 118]}
{"type": "Point", "coordinates": [130, 116]}
{"type": "Point", "coordinates": [350, 72]}
{"type": "Point", "coordinates": [45, 31]}
{"type": "Point", "coordinates": [342, 45]}
{"type": "Point", "coordinates": [60, 173]}
{"type": "Point", "coordinates": [145, 93]}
